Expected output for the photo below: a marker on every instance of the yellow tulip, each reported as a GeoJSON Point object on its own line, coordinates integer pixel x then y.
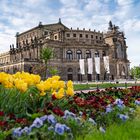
{"type": "Point", "coordinates": [55, 84]}
{"type": "Point", "coordinates": [56, 78]}
{"type": "Point", "coordinates": [21, 85]}
{"type": "Point", "coordinates": [42, 93]}
{"type": "Point", "coordinates": [70, 84]}
{"type": "Point", "coordinates": [61, 84]}
{"type": "Point", "coordinates": [47, 85]}
{"type": "Point", "coordinates": [70, 91]}
{"type": "Point", "coordinates": [60, 94]}
{"type": "Point", "coordinates": [40, 86]}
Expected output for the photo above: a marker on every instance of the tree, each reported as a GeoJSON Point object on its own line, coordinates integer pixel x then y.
{"type": "Point", "coordinates": [46, 55]}
{"type": "Point", "coordinates": [53, 71]}
{"type": "Point", "coordinates": [135, 72]}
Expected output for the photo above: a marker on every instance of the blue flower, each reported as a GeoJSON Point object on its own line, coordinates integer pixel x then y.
{"type": "Point", "coordinates": [108, 109]}
{"type": "Point", "coordinates": [37, 123]}
{"type": "Point", "coordinates": [121, 106]}
{"type": "Point", "coordinates": [66, 128]}
{"type": "Point", "coordinates": [118, 101]}
{"type": "Point", "coordinates": [51, 119]}
{"type": "Point", "coordinates": [102, 129]}
{"type": "Point", "coordinates": [137, 102]}
{"type": "Point", "coordinates": [59, 129]}
{"type": "Point", "coordinates": [17, 132]}
{"type": "Point", "coordinates": [26, 130]}
{"type": "Point", "coordinates": [92, 121]}
{"type": "Point", "coordinates": [50, 128]}
{"type": "Point", "coordinates": [80, 113]}
{"type": "Point", "coordinates": [123, 117]}
{"type": "Point", "coordinates": [66, 113]}
{"type": "Point", "coordinates": [131, 110]}
{"type": "Point", "coordinates": [44, 118]}
{"type": "Point", "coordinates": [69, 114]}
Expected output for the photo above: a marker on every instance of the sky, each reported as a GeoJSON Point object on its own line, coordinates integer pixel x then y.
{"type": "Point", "coordinates": [21, 15]}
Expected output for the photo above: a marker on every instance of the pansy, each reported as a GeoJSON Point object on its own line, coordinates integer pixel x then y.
{"type": "Point", "coordinates": [51, 119]}
{"type": "Point", "coordinates": [17, 132]}
{"type": "Point", "coordinates": [123, 117]}
{"type": "Point", "coordinates": [38, 123]}
{"type": "Point", "coordinates": [44, 118]}
{"type": "Point", "coordinates": [92, 121]}
{"type": "Point", "coordinates": [26, 130]}
{"type": "Point", "coordinates": [108, 109]}
{"type": "Point", "coordinates": [137, 102]}
{"type": "Point", "coordinates": [59, 128]}
{"type": "Point", "coordinates": [102, 129]}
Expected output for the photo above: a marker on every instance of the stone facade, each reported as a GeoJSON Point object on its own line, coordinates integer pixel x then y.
{"type": "Point", "coordinates": [69, 46]}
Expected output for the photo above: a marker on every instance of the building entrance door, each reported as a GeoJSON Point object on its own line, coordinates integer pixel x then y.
{"type": "Point", "coordinates": [70, 77]}
{"type": "Point", "coordinates": [89, 77]}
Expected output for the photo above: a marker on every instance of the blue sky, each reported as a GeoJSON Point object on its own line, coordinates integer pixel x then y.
{"type": "Point", "coordinates": [21, 15]}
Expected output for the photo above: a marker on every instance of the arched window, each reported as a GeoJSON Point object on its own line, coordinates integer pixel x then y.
{"type": "Point", "coordinates": [120, 51]}
{"type": "Point", "coordinates": [104, 53]}
{"type": "Point", "coordinates": [69, 55]}
{"type": "Point", "coordinates": [70, 70]}
{"type": "Point", "coordinates": [88, 54]}
{"type": "Point", "coordinates": [96, 54]}
{"type": "Point", "coordinates": [79, 54]}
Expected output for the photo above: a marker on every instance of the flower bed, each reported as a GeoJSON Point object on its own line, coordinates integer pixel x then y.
{"type": "Point", "coordinates": [31, 108]}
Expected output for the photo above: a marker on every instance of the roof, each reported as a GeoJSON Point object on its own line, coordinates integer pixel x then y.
{"type": "Point", "coordinates": [49, 26]}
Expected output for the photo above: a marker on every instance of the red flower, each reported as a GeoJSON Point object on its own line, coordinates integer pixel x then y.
{"type": "Point", "coordinates": [21, 120]}
{"type": "Point", "coordinates": [84, 115]}
{"type": "Point", "coordinates": [53, 97]}
{"type": "Point", "coordinates": [3, 123]}
{"type": "Point", "coordinates": [1, 113]}
{"type": "Point", "coordinates": [73, 110]}
{"type": "Point", "coordinates": [79, 101]}
{"type": "Point", "coordinates": [11, 116]}
{"type": "Point", "coordinates": [58, 111]}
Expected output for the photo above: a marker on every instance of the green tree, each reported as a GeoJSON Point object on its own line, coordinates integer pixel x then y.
{"type": "Point", "coordinates": [135, 72]}
{"type": "Point", "coordinates": [46, 55]}
{"type": "Point", "coordinates": [53, 71]}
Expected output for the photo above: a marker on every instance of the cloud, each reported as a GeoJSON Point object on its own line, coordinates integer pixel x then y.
{"type": "Point", "coordinates": [19, 16]}
{"type": "Point", "coordinates": [124, 2]}
{"type": "Point", "coordinates": [5, 39]}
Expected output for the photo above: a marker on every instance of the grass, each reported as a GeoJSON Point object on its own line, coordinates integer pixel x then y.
{"type": "Point", "coordinates": [101, 85]}
{"type": "Point", "coordinates": [129, 130]}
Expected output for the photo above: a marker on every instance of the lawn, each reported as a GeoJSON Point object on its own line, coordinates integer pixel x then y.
{"type": "Point", "coordinates": [102, 85]}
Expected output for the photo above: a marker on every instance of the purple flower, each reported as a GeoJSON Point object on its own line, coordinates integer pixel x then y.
{"type": "Point", "coordinates": [44, 118]}
{"type": "Point", "coordinates": [108, 109]}
{"type": "Point", "coordinates": [102, 129]}
{"type": "Point", "coordinates": [51, 119]}
{"type": "Point", "coordinates": [59, 129]}
{"type": "Point", "coordinates": [50, 128]}
{"type": "Point", "coordinates": [137, 102]}
{"type": "Point", "coordinates": [17, 132]}
{"type": "Point", "coordinates": [32, 126]}
{"type": "Point", "coordinates": [123, 117]}
{"type": "Point", "coordinates": [118, 101]}
{"type": "Point", "coordinates": [78, 120]}
{"type": "Point", "coordinates": [131, 110]}
{"type": "Point", "coordinates": [92, 121]}
{"type": "Point", "coordinates": [66, 113]}
{"type": "Point", "coordinates": [69, 114]}
{"type": "Point", "coordinates": [37, 123]}
{"type": "Point", "coordinates": [26, 130]}
{"type": "Point", "coordinates": [66, 128]}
